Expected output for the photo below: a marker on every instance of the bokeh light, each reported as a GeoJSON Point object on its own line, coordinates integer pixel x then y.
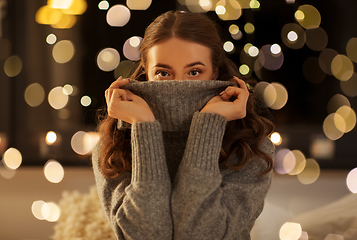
{"type": "Point", "coordinates": [293, 36]}
{"type": "Point", "coordinates": [206, 5]}
{"type": "Point", "coordinates": [51, 137]}
{"type": "Point", "coordinates": [131, 48]}
{"type": "Point", "coordinates": [351, 49]}
{"type": "Point", "coordinates": [86, 101]}
{"type": "Point", "coordinates": [336, 102]}
{"type": "Point", "coordinates": [237, 36]}
{"type": "Point", "coordinates": [342, 67]}
{"type": "Point", "coordinates": [316, 39]}
{"type": "Point", "coordinates": [51, 212]}
{"type": "Point", "coordinates": [325, 58]}
{"type": "Point", "coordinates": [284, 161]}
{"type": "Point", "coordinates": [108, 59]}
{"type": "Point", "coordinates": [244, 69]}
{"type": "Point", "coordinates": [34, 94]}
{"type": "Point", "coordinates": [233, 29]}
{"type": "Point", "coordinates": [57, 99]}
{"type": "Point", "coordinates": [331, 130]}
{"type": "Point", "coordinates": [311, 70]}
{"type": "Point", "coordinates": [349, 117]}
{"type": "Point", "coordinates": [63, 51]}
{"type": "Point", "coordinates": [253, 51]}
{"type": "Point", "coordinates": [36, 209]}
{"type": "Point", "coordinates": [349, 87]}
{"type": "Point", "coordinates": [118, 16]}
{"type": "Point", "coordinates": [13, 66]}
{"type": "Point", "coordinates": [66, 21]}
{"type": "Point", "coordinates": [300, 162]}
{"type": "Point", "coordinates": [275, 49]}
{"type": "Point", "coordinates": [228, 10]}
{"type": "Point", "coordinates": [6, 172]}
{"type": "Point", "coordinates": [312, 17]}
{"type": "Point", "coordinates": [83, 143]}
{"type": "Point", "coordinates": [12, 158]}
{"type": "Point", "coordinates": [68, 89]}
{"type": "Point", "coordinates": [281, 96]}
{"type": "Point", "coordinates": [254, 4]}
{"type": "Point", "coordinates": [276, 138]}
{"type": "Point", "coordinates": [310, 173]}
{"type": "Point", "coordinates": [138, 4]}
{"type": "Point", "coordinates": [290, 231]}
{"type": "Point", "coordinates": [53, 171]}
{"type": "Point", "coordinates": [77, 7]}
{"type": "Point", "coordinates": [332, 236]}
{"type": "Point", "coordinates": [269, 60]}
{"type": "Point", "coordinates": [228, 46]}
{"type": "Point", "coordinates": [351, 180]}
{"type": "Point", "coordinates": [48, 15]}
{"type": "Point", "coordinates": [51, 38]}
{"type": "Point", "coordinates": [124, 69]}
{"type": "Point", "coordinates": [249, 28]}
{"type": "Point", "coordinates": [103, 5]}
{"type": "Point", "coordinates": [64, 114]}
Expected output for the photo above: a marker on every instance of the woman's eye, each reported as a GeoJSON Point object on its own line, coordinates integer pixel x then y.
{"type": "Point", "coordinates": [162, 73]}
{"type": "Point", "coordinates": [194, 72]}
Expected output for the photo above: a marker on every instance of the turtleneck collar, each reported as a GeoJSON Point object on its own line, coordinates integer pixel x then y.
{"type": "Point", "coordinates": [173, 102]}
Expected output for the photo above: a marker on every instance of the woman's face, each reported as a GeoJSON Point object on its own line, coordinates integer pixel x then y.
{"type": "Point", "coordinates": [177, 59]}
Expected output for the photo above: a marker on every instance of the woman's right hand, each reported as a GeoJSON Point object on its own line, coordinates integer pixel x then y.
{"type": "Point", "coordinates": [124, 105]}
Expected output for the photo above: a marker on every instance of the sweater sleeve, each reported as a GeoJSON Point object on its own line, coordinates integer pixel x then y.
{"type": "Point", "coordinates": [207, 204]}
{"type": "Point", "coordinates": [137, 204]}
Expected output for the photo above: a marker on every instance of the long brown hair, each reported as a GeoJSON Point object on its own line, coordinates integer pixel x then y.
{"type": "Point", "coordinates": [243, 137]}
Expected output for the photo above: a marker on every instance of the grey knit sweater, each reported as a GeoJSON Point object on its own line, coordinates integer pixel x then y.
{"type": "Point", "coordinates": [177, 189]}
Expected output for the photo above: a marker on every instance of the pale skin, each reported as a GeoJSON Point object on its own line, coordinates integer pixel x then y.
{"type": "Point", "coordinates": [176, 59]}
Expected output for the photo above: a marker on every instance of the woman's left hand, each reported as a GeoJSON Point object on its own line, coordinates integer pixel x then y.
{"type": "Point", "coordinates": [231, 110]}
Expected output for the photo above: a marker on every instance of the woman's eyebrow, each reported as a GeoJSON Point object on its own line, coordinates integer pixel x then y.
{"type": "Point", "coordinates": [195, 63]}
{"type": "Point", "coordinates": [162, 66]}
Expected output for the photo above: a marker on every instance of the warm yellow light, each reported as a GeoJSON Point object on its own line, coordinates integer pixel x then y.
{"type": "Point", "coordinates": [47, 15]}
{"type": "Point", "coordinates": [247, 47]}
{"type": "Point", "coordinates": [233, 29]}
{"type": "Point", "coordinates": [253, 51]}
{"type": "Point", "coordinates": [276, 138]}
{"type": "Point", "coordinates": [51, 38]}
{"type": "Point", "coordinates": [299, 15]}
{"type": "Point", "coordinates": [77, 7]}
{"type": "Point", "coordinates": [228, 46]}
{"type": "Point", "coordinates": [351, 49]}
{"type": "Point", "coordinates": [351, 180]}
{"type": "Point", "coordinates": [12, 158]}
{"type": "Point", "coordinates": [254, 4]}
{"type": "Point", "coordinates": [13, 66]}
{"type": "Point", "coordinates": [275, 49]}
{"type": "Point", "coordinates": [57, 99]}
{"type": "Point", "coordinates": [34, 94]}
{"type": "Point", "coordinates": [60, 4]}
{"type": "Point", "coordinates": [249, 28]}
{"type": "Point", "coordinates": [308, 16]}
{"type": "Point", "coordinates": [51, 137]}
{"type": "Point", "coordinates": [290, 231]}
{"type": "Point", "coordinates": [53, 171]}
{"type": "Point", "coordinates": [103, 5]}
{"type": "Point", "coordinates": [68, 89]}
{"type": "Point", "coordinates": [118, 16]}
{"type": "Point", "coordinates": [63, 51]}
{"type": "Point", "coordinates": [86, 101]}
{"type": "Point", "coordinates": [244, 69]}
{"type": "Point", "coordinates": [108, 59]}
{"type": "Point", "coordinates": [342, 67]}
{"type": "Point", "coordinates": [138, 4]}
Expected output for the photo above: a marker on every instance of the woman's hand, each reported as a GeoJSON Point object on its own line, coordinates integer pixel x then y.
{"type": "Point", "coordinates": [231, 110]}
{"type": "Point", "coordinates": [126, 106]}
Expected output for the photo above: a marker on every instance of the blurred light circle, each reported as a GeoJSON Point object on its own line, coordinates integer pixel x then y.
{"type": "Point", "coordinates": [83, 143]}
{"type": "Point", "coordinates": [57, 99]}
{"type": "Point", "coordinates": [205, 5]}
{"type": "Point", "coordinates": [233, 29]}
{"type": "Point", "coordinates": [51, 38]}
{"type": "Point", "coordinates": [284, 161]}
{"type": "Point", "coordinates": [259, 89]}
{"type": "Point", "coordinates": [300, 162]}
{"type": "Point", "coordinates": [51, 137]}
{"type": "Point", "coordinates": [48, 15]}
{"type": "Point", "coordinates": [13, 66]}
{"type": "Point", "coordinates": [63, 51]}
{"type": "Point", "coordinates": [299, 15]}
{"type": "Point", "coordinates": [64, 114]}
{"type": "Point", "coordinates": [237, 36]}
{"type": "Point", "coordinates": [34, 94]}
{"type": "Point", "coordinates": [138, 4]}
{"type": "Point", "coordinates": [311, 70]}
{"type": "Point", "coordinates": [118, 16]}
{"type": "Point", "coordinates": [60, 4]}
{"type": "Point", "coordinates": [244, 69]}
{"type": "Point", "coordinates": [253, 51]}
{"type": "Point", "coordinates": [132, 52]}
{"type": "Point", "coordinates": [276, 138]}
{"type": "Point", "coordinates": [269, 95]}
{"type": "Point", "coordinates": [247, 46]}
{"type": "Point", "coordinates": [290, 231]}
{"type": "Point", "coordinates": [5, 48]}
{"type": "Point", "coordinates": [66, 21]}
{"type": "Point", "coordinates": [68, 89]}
{"type": "Point", "coordinates": [77, 7]}
{"type": "Point", "coordinates": [339, 122]}
{"type": "Point", "coordinates": [53, 171]}
{"type": "Point", "coordinates": [349, 87]}
{"type": "Point", "coordinates": [351, 180]}
{"type": "Point", "coordinates": [342, 67]}
{"type": "Point", "coordinates": [310, 173]}
{"type": "Point", "coordinates": [103, 5]}
{"type": "Point", "coordinates": [220, 10]}
{"type": "Point", "coordinates": [52, 212]}
{"type": "Point", "coordinates": [330, 129]}
{"type": "Point", "coordinates": [12, 158]}
{"type": "Point", "coordinates": [293, 36]}
{"type": "Point", "coordinates": [86, 101]}
{"type": "Point", "coordinates": [228, 10]}
{"type": "Point", "coordinates": [312, 17]}
{"type": "Point", "coordinates": [124, 69]}
{"type": "Point", "coordinates": [6, 172]}
{"type": "Point", "coordinates": [325, 58]}
{"type": "Point", "coordinates": [249, 28]}
{"type": "Point", "coordinates": [228, 46]}
{"type": "Point", "coordinates": [281, 96]}
{"type": "Point", "coordinates": [36, 209]}
{"type": "Point", "coordinates": [275, 49]}
{"type": "Point", "coordinates": [254, 4]}
{"type": "Point", "coordinates": [108, 59]}
{"type": "Point", "coordinates": [316, 39]}
{"type": "Point", "coordinates": [351, 49]}
{"type": "Point", "coordinates": [269, 60]}
{"type": "Point", "coordinates": [336, 102]}
{"type": "Point", "coordinates": [349, 116]}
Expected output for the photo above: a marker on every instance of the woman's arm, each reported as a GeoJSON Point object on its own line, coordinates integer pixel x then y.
{"type": "Point", "coordinates": [137, 204]}
{"type": "Point", "coordinates": [207, 205]}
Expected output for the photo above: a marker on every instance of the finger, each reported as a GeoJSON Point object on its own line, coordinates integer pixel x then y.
{"type": "Point", "coordinates": [119, 82]}
{"type": "Point", "coordinates": [240, 83]}
{"type": "Point", "coordinates": [234, 91]}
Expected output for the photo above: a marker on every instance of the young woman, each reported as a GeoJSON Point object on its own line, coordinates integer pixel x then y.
{"type": "Point", "coordinates": [183, 153]}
